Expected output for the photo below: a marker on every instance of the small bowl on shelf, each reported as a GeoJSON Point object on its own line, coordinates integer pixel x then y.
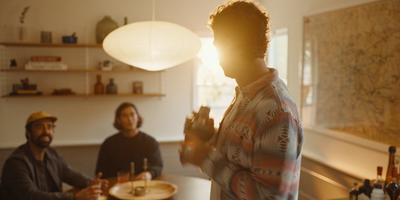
{"type": "Point", "coordinates": [69, 39]}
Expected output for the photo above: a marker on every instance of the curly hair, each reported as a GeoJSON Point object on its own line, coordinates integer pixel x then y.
{"type": "Point", "coordinates": [244, 22]}
{"type": "Point", "coordinates": [118, 113]}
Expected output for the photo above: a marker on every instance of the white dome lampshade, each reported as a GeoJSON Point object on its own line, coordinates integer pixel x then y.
{"type": "Point", "coordinates": [152, 45]}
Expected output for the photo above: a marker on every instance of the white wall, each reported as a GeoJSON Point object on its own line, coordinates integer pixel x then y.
{"type": "Point", "coordinates": [89, 120]}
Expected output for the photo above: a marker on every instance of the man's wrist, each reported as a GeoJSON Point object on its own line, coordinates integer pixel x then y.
{"type": "Point", "coordinates": [207, 166]}
{"type": "Point", "coordinates": [204, 154]}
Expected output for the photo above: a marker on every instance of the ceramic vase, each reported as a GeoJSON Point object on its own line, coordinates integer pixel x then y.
{"type": "Point", "coordinates": [99, 87]}
{"type": "Point", "coordinates": [22, 33]}
{"type": "Point", "coordinates": [111, 87]}
{"type": "Point", "coordinates": [104, 27]}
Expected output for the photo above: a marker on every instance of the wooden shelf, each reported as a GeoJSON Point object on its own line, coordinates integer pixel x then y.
{"type": "Point", "coordinates": [83, 95]}
{"type": "Point", "coordinates": [82, 69]}
{"type": "Point", "coordinates": [20, 44]}
{"type": "Point", "coordinates": [76, 70]}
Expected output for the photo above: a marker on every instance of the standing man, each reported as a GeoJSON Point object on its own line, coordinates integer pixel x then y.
{"type": "Point", "coordinates": [36, 171]}
{"type": "Point", "coordinates": [256, 153]}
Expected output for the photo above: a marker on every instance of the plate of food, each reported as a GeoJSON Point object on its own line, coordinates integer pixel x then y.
{"type": "Point", "coordinates": [153, 189]}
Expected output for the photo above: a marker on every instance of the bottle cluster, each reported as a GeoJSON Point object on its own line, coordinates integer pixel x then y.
{"type": "Point", "coordinates": [379, 188]}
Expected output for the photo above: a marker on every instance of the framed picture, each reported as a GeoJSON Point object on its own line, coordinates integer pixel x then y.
{"type": "Point", "coordinates": [138, 87]}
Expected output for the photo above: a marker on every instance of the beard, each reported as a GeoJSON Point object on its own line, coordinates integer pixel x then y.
{"type": "Point", "coordinates": [40, 143]}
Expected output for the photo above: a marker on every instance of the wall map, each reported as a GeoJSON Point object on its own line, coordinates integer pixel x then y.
{"type": "Point", "coordinates": [351, 71]}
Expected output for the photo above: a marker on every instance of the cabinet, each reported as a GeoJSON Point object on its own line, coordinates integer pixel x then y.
{"type": "Point", "coordinates": [80, 75]}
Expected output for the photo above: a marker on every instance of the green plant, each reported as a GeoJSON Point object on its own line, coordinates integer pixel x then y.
{"type": "Point", "coordinates": [22, 17]}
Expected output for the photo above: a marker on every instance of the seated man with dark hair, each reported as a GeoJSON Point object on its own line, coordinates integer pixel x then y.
{"type": "Point", "coordinates": [129, 145]}
{"type": "Point", "coordinates": [36, 171]}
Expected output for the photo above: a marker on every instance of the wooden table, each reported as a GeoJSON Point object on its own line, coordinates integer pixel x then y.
{"type": "Point", "coordinates": [188, 187]}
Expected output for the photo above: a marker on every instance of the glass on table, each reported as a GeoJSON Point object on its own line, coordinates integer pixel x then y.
{"type": "Point", "coordinates": [95, 182]}
{"type": "Point", "coordinates": [123, 176]}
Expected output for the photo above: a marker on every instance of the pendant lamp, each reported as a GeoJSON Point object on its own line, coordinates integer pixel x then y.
{"type": "Point", "coordinates": [152, 45]}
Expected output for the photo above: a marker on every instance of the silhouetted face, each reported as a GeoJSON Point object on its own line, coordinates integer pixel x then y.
{"type": "Point", "coordinates": [41, 133]}
{"type": "Point", "coordinates": [128, 119]}
{"type": "Point", "coordinates": [229, 58]}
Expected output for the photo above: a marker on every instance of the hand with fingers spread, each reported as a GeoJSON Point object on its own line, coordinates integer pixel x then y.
{"type": "Point", "coordinates": [95, 188]}
{"type": "Point", "coordinates": [89, 193]}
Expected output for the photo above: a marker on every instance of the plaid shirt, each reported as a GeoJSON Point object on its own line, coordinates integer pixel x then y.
{"type": "Point", "coordinates": [258, 146]}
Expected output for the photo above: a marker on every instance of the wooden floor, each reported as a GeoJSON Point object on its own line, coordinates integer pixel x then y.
{"type": "Point", "coordinates": [317, 181]}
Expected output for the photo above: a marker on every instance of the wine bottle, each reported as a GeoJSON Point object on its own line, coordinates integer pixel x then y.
{"type": "Point", "coordinates": [365, 190]}
{"type": "Point", "coordinates": [99, 87]}
{"type": "Point", "coordinates": [111, 87]}
{"type": "Point", "coordinates": [379, 179]}
{"type": "Point", "coordinates": [392, 163]}
{"type": "Point", "coordinates": [392, 189]}
{"type": "Point", "coordinates": [354, 192]}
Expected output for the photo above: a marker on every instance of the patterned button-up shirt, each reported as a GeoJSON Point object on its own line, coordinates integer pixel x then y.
{"type": "Point", "coordinates": [259, 142]}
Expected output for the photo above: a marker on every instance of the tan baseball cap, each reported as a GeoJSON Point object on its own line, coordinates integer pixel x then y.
{"type": "Point", "coordinates": [40, 115]}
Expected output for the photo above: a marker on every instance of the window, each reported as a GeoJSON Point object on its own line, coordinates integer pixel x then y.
{"type": "Point", "coordinates": [214, 89]}
{"type": "Point", "coordinates": [278, 52]}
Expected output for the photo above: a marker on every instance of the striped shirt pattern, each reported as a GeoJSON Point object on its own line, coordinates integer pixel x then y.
{"type": "Point", "coordinates": [258, 150]}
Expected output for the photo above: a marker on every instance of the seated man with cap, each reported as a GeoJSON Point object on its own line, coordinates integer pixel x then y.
{"type": "Point", "coordinates": [36, 171]}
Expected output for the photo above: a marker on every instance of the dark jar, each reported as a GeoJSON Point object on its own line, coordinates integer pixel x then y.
{"type": "Point", "coordinates": [111, 87]}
